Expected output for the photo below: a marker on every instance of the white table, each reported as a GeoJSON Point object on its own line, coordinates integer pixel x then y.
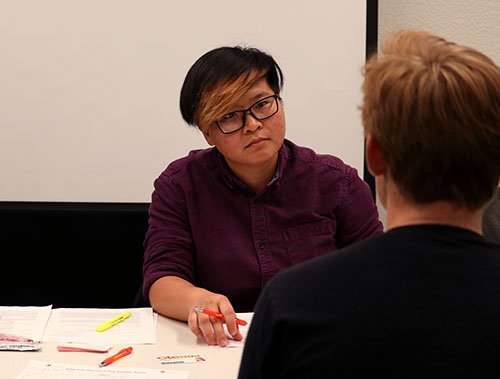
{"type": "Point", "coordinates": [174, 338]}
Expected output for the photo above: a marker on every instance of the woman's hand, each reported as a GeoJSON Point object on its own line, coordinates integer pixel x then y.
{"type": "Point", "coordinates": [212, 328]}
{"type": "Point", "coordinates": [174, 297]}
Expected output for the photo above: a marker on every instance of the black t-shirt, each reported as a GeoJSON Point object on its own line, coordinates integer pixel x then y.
{"type": "Point", "coordinates": [418, 300]}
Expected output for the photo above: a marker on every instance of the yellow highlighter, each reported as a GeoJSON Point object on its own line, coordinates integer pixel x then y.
{"type": "Point", "coordinates": [113, 322]}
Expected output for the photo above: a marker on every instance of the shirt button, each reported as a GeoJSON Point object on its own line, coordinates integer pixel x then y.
{"type": "Point", "coordinates": [261, 246]}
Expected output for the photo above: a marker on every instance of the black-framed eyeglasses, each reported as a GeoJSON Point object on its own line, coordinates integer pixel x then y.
{"type": "Point", "coordinates": [235, 120]}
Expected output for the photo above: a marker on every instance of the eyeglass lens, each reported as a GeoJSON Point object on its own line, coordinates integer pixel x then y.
{"type": "Point", "coordinates": [261, 110]}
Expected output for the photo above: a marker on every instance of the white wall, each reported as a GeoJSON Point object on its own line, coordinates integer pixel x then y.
{"type": "Point", "coordinates": [474, 23]}
{"type": "Point", "coordinates": [89, 89]}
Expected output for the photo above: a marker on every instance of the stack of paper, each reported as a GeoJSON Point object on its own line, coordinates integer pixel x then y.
{"type": "Point", "coordinates": [79, 325]}
{"type": "Point", "coordinates": [27, 322]}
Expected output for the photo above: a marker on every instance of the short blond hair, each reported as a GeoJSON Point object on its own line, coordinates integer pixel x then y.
{"type": "Point", "coordinates": [218, 100]}
{"type": "Point", "coordinates": [434, 108]}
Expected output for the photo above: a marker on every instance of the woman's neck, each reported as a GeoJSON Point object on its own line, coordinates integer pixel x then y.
{"type": "Point", "coordinates": [255, 177]}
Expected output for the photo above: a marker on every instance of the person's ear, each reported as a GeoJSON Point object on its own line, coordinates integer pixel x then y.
{"type": "Point", "coordinates": [206, 134]}
{"type": "Point", "coordinates": [374, 156]}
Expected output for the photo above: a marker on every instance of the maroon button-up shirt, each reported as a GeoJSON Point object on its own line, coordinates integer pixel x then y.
{"type": "Point", "coordinates": [208, 228]}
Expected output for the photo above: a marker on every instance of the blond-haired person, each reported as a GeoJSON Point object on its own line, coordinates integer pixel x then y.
{"type": "Point", "coordinates": [224, 220]}
{"type": "Point", "coordinates": [422, 299]}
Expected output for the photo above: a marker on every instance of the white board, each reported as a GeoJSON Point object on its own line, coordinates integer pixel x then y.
{"type": "Point", "coordinates": [89, 89]}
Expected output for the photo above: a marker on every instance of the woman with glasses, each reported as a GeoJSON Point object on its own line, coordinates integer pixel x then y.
{"type": "Point", "coordinates": [224, 220]}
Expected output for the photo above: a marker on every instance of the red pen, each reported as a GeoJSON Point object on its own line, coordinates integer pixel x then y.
{"type": "Point", "coordinates": [115, 357]}
{"type": "Point", "coordinates": [218, 315]}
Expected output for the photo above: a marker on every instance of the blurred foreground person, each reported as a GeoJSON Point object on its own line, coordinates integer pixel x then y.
{"type": "Point", "coordinates": [423, 298]}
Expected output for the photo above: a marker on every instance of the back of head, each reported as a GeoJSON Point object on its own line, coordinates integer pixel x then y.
{"type": "Point", "coordinates": [434, 108]}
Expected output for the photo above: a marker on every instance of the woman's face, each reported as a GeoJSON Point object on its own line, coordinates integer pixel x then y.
{"type": "Point", "coordinates": [258, 142]}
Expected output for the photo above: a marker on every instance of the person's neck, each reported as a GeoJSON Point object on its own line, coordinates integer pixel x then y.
{"type": "Point", "coordinates": [401, 212]}
{"type": "Point", "coordinates": [256, 177]}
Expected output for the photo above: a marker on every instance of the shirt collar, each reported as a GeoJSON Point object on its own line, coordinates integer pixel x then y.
{"type": "Point", "coordinates": [233, 182]}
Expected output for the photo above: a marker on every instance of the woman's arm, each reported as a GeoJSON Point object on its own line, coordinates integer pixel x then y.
{"type": "Point", "coordinates": [175, 297]}
{"type": "Point", "coordinates": [357, 214]}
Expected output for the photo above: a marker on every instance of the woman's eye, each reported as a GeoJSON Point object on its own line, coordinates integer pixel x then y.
{"type": "Point", "coordinates": [262, 104]}
{"type": "Point", "coordinates": [228, 116]}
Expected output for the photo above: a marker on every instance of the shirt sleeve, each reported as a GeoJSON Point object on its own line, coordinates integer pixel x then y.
{"type": "Point", "coordinates": [169, 246]}
{"type": "Point", "coordinates": [257, 361]}
{"type": "Point", "coordinates": [357, 214]}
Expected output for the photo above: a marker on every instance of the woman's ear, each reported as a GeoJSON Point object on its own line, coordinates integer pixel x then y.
{"type": "Point", "coordinates": [206, 134]}
{"type": "Point", "coordinates": [374, 157]}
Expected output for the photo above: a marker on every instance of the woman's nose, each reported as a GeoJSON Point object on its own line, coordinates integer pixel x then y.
{"type": "Point", "coordinates": [251, 123]}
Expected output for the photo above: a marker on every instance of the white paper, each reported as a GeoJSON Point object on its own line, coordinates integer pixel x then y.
{"type": "Point", "coordinates": [28, 322]}
{"type": "Point", "coordinates": [52, 370]}
{"type": "Point", "coordinates": [79, 325]}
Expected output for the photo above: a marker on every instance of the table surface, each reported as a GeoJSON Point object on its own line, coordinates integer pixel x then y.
{"type": "Point", "coordinates": [173, 338]}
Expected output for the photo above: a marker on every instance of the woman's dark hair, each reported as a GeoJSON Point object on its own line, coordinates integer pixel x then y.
{"type": "Point", "coordinates": [225, 64]}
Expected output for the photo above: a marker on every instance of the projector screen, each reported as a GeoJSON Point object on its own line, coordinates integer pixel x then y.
{"type": "Point", "coordinates": [89, 89]}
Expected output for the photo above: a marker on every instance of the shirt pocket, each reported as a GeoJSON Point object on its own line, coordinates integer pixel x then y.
{"type": "Point", "coordinates": [310, 240]}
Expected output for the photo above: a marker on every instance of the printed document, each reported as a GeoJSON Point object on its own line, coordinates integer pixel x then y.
{"type": "Point", "coordinates": [79, 325]}
{"type": "Point", "coordinates": [52, 370]}
{"type": "Point", "coordinates": [27, 322]}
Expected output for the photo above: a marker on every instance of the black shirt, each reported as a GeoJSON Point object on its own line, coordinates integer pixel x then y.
{"type": "Point", "coordinates": [418, 300]}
